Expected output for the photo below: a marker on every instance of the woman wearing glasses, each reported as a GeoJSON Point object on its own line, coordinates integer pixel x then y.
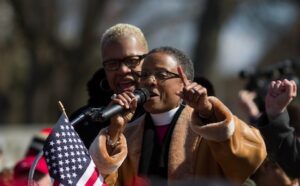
{"type": "Point", "coordinates": [122, 50]}
{"type": "Point", "coordinates": [184, 134]}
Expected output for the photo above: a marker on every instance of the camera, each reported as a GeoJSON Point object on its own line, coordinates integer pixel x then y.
{"type": "Point", "coordinates": [258, 80]}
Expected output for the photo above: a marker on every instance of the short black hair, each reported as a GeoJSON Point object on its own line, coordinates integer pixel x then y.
{"type": "Point", "coordinates": [182, 59]}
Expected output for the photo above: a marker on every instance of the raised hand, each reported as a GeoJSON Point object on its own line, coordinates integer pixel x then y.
{"type": "Point", "coordinates": [247, 103]}
{"type": "Point", "coordinates": [280, 94]}
{"type": "Point", "coordinates": [195, 95]}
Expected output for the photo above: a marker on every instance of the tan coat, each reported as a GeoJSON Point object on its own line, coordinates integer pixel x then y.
{"type": "Point", "coordinates": [224, 148]}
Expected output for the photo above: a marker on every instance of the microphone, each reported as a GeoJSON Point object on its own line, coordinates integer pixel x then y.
{"type": "Point", "coordinates": [141, 95]}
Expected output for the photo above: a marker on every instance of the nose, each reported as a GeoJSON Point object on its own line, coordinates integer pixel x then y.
{"type": "Point", "coordinates": [149, 81]}
{"type": "Point", "coordinates": [123, 68]}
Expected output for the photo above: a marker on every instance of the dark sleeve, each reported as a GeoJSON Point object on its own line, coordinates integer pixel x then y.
{"type": "Point", "coordinates": [86, 129]}
{"type": "Point", "coordinates": [282, 144]}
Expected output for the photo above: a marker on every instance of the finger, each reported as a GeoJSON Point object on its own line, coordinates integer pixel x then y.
{"type": "Point", "coordinates": [117, 101]}
{"type": "Point", "coordinates": [294, 88]}
{"type": "Point", "coordinates": [129, 96]}
{"type": "Point", "coordinates": [278, 85]}
{"type": "Point", "coordinates": [272, 88]}
{"type": "Point", "coordinates": [133, 105]}
{"type": "Point", "coordinates": [191, 86]}
{"type": "Point", "coordinates": [123, 99]}
{"type": "Point", "coordinates": [291, 88]}
{"type": "Point", "coordinates": [183, 76]}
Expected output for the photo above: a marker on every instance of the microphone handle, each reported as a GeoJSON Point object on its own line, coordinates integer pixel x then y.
{"type": "Point", "coordinates": [107, 113]}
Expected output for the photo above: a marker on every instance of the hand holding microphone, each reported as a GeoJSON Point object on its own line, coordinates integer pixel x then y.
{"type": "Point", "coordinates": [121, 111]}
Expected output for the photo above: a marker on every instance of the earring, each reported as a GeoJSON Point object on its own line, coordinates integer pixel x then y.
{"type": "Point", "coordinates": [104, 85]}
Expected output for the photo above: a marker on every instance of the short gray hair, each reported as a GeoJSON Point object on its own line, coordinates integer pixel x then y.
{"type": "Point", "coordinates": [123, 30]}
{"type": "Point", "coordinates": [182, 59]}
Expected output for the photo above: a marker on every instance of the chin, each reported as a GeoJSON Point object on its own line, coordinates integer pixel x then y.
{"type": "Point", "coordinates": [151, 108]}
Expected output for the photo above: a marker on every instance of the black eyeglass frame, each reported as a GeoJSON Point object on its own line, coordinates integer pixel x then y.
{"type": "Point", "coordinates": [126, 61]}
{"type": "Point", "coordinates": [157, 75]}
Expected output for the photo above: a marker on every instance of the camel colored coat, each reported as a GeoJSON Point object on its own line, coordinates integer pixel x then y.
{"type": "Point", "coordinates": [226, 147]}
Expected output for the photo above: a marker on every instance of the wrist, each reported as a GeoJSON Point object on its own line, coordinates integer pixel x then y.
{"type": "Point", "coordinates": [273, 115]}
{"type": "Point", "coordinates": [207, 112]}
{"type": "Point", "coordinates": [112, 139]}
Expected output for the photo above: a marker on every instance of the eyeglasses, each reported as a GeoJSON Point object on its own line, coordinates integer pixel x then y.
{"type": "Point", "coordinates": [159, 75]}
{"type": "Point", "coordinates": [130, 62]}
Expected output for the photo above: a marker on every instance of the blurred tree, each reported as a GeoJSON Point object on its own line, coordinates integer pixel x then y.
{"type": "Point", "coordinates": [49, 49]}
{"type": "Point", "coordinates": [54, 67]}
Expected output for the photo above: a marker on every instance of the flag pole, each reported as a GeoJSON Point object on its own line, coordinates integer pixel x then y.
{"type": "Point", "coordinates": [32, 168]}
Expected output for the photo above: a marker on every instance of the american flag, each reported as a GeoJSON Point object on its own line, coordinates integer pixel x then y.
{"type": "Point", "coordinates": [67, 158]}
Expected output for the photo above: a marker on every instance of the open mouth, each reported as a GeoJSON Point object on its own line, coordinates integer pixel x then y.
{"type": "Point", "coordinates": [153, 94]}
{"type": "Point", "coordinates": [125, 84]}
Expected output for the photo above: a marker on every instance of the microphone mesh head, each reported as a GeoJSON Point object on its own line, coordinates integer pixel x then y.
{"type": "Point", "coordinates": [143, 95]}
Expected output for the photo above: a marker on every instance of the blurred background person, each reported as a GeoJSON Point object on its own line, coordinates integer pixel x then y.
{"type": "Point", "coordinates": [251, 102]}
{"type": "Point", "coordinates": [283, 144]}
{"type": "Point", "coordinates": [19, 174]}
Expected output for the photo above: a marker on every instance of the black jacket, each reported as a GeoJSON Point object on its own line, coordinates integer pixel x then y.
{"type": "Point", "coordinates": [99, 97]}
{"type": "Point", "coordinates": [282, 144]}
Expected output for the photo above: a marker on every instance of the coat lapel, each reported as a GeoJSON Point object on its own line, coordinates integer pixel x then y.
{"type": "Point", "coordinates": [182, 148]}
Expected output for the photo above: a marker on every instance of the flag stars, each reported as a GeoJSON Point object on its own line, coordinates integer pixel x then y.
{"type": "Point", "coordinates": [51, 143]}
{"type": "Point", "coordinates": [74, 175]}
{"type": "Point", "coordinates": [67, 157]}
{"type": "Point", "coordinates": [70, 181]}
{"type": "Point", "coordinates": [54, 164]}
{"type": "Point", "coordinates": [58, 141]}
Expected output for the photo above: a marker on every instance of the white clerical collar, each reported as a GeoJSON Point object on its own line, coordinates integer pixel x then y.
{"type": "Point", "coordinates": [163, 118]}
